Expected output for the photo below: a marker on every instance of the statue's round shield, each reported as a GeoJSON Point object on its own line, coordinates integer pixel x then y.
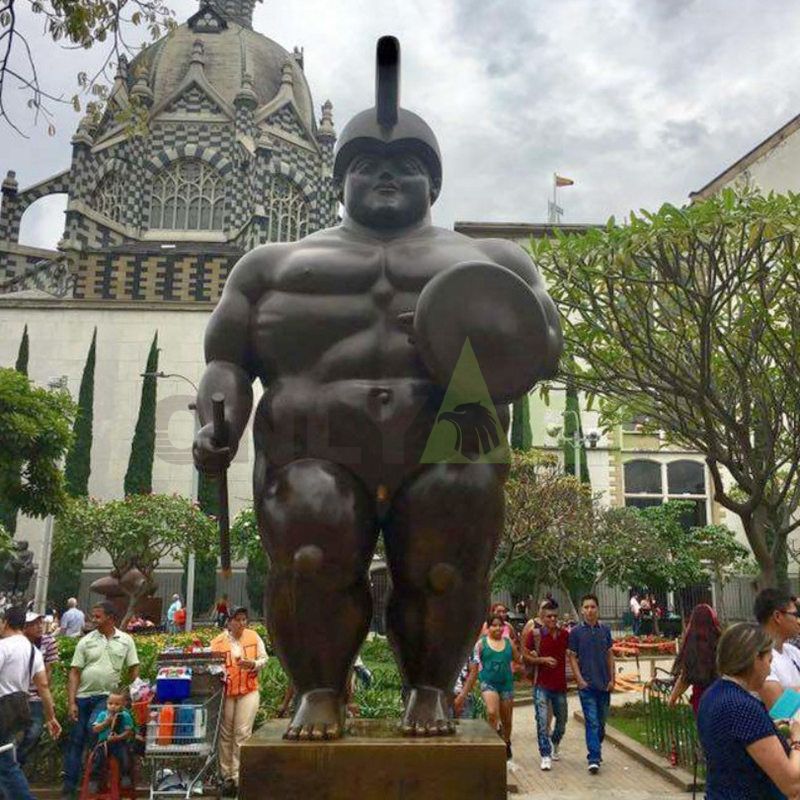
{"type": "Point", "coordinates": [501, 317]}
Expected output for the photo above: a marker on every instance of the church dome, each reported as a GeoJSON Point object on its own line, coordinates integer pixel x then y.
{"type": "Point", "coordinates": [231, 49]}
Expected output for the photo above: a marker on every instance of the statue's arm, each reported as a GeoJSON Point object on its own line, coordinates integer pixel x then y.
{"type": "Point", "coordinates": [229, 363]}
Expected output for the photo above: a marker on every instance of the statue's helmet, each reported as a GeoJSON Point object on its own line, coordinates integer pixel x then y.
{"type": "Point", "coordinates": [386, 126]}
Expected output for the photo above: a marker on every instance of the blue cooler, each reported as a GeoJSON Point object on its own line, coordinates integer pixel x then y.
{"type": "Point", "coordinates": [171, 687]}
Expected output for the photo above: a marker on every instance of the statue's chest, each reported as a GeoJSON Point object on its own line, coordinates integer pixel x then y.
{"type": "Point", "coordinates": [359, 268]}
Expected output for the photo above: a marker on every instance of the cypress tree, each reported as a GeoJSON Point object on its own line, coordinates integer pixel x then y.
{"type": "Point", "coordinates": [521, 438]}
{"type": "Point", "coordinates": [22, 355]}
{"type": "Point", "coordinates": [78, 462]}
{"type": "Point", "coordinates": [139, 477]}
{"type": "Point", "coordinates": [572, 421]}
{"type": "Point", "coordinates": [66, 564]}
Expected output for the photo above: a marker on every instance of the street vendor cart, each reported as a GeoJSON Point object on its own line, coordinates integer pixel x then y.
{"type": "Point", "coordinates": [182, 727]}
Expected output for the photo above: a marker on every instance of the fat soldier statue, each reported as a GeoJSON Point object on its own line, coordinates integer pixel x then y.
{"type": "Point", "coordinates": [354, 333]}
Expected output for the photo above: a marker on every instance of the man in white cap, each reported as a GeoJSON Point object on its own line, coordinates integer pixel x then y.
{"type": "Point", "coordinates": [46, 645]}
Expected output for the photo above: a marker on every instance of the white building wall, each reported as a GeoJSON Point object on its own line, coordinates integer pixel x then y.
{"type": "Point", "coordinates": [60, 335]}
{"type": "Point", "coordinates": [778, 170]}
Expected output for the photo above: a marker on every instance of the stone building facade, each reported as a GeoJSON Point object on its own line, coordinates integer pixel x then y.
{"type": "Point", "coordinates": [232, 157]}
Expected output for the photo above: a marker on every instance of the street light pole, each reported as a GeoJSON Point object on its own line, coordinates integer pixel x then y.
{"type": "Point", "coordinates": [43, 573]}
{"type": "Point", "coordinates": [576, 443]}
{"type": "Point", "coordinates": [191, 564]}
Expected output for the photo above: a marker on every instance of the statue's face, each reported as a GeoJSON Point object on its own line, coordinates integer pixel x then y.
{"type": "Point", "coordinates": [387, 189]}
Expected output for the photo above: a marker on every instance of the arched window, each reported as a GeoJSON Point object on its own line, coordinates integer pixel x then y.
{"type": "Point", "coordinates": [651, 483]}
{"type": "Point", "coordinates": [189, 195]}
{"type": "Point", "coordinates": [287, 209]}
{"type": "Point", "coordinates": [643, 477]}
{"type": "Point", "coordinates": [107, 198]}
{"type": "Point", "coordinates": [686, 477]}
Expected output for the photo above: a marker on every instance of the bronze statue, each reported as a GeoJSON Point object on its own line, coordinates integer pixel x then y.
{"type": "Point", "coordinates": [16, 571]}
{"type": "Point", "coordinates": [354, 332]}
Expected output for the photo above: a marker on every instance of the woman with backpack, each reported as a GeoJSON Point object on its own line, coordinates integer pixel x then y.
{"type": "Point", "coordinates": [496, 654]}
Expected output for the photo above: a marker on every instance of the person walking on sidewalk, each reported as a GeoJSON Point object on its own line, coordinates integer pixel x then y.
{"type": "Point", "coordinates": [592, 662]}
{"type": "Point", "coordinates": [546, 649]}
{"type": "Point", "coordinates": [245, 656]}
{"type": "Point", "coordinates": [496, 653]}
{"type": "Point", "coordinates": [20, 663]}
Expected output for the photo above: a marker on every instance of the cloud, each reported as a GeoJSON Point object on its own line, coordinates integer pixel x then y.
{"type": "Point", "coordinates": [639, 101]}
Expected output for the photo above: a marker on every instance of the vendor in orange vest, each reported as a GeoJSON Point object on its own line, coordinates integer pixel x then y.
{"type": "Point", "coordinates": [245, 655]}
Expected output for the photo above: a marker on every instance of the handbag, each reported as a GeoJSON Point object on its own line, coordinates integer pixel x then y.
{"type": "Point", "coordinates": [15, 710]}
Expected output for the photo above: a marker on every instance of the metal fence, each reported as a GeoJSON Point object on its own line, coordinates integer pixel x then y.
{"type": "Point", "coordinates": [670, 730]}
{"type": "Point", "coordinates": [734, 601]}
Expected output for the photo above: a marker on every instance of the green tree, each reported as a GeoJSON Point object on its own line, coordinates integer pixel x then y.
{"type": "Point", "coordinates": [66, 563]}
{"type": "Point", "coordinates": [34, 435]}
{"type": "Point", "coordinates": [690, 317]}
{"type": "Point", "coordinates": [82, 24]}
{"type": "Point", "coordinates": [8, 512]}
{"type": "Point", "coordinates": [78, 465]}
{"type": "Point", "coordinates": [540, 500]}
{"type": "Point", "coordinates": [521, 438]}
{"type": "Point", "coordinates": [246, 544]}
{"type": "Point", "coordinates": [137, 532]}
{"type": "Point", "coordinates": [139, 476]}
{"type": "Point", "coordinates": [22, 355]}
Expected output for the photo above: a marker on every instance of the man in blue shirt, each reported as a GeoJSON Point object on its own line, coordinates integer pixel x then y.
{"type": "Point", "coordinates": [592, 662]}
{"type": "Point", "coordinates": [73, 619]}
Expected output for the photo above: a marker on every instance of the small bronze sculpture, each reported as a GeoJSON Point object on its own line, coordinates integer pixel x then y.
{"type": "Point", "coordinates": [354, 333]}
{"type": "Point", "coordinates": [16, 571]}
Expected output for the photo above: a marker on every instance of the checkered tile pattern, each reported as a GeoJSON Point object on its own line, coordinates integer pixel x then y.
{"type": "Point", "coordinates": [134, 160]}
{"type": "Point", "coordinates": [194, 101]}
{"type": "Point", "coordinates": [153, 277]}
{"type": "Point", "coordinates": [286, 120]}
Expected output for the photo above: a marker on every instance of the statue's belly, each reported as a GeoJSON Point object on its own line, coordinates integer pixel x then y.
{"type": "Point", "coordinates": [376, 428]}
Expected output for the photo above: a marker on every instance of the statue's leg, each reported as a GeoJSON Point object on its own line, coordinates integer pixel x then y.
{"type": "Point", "coordinates": [441, 535]}
{"type": "Point", "coordinates": [319, 529]}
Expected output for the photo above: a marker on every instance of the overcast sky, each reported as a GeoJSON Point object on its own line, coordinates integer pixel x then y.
{"type": "Point", "coordinates": [638, 101]}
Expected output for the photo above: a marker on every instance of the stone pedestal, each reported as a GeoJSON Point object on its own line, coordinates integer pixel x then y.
{"type": "Point", "coordinates": [374, 762]}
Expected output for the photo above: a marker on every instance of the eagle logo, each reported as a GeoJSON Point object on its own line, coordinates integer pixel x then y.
{"type": "Point", "coordinates": [476, 432]}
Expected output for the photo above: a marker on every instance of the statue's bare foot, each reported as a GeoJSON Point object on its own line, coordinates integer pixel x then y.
{"type": "Point", "coordinates": [319, 715]}
{"type": "Point", "coordinates": [426, 713]}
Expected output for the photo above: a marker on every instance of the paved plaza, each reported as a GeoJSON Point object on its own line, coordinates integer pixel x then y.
{"type": "Point", "coordinates": [621, 777]}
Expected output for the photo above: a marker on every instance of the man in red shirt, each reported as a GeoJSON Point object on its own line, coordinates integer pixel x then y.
{"type": "Point", "coordinates": [546, 649]}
